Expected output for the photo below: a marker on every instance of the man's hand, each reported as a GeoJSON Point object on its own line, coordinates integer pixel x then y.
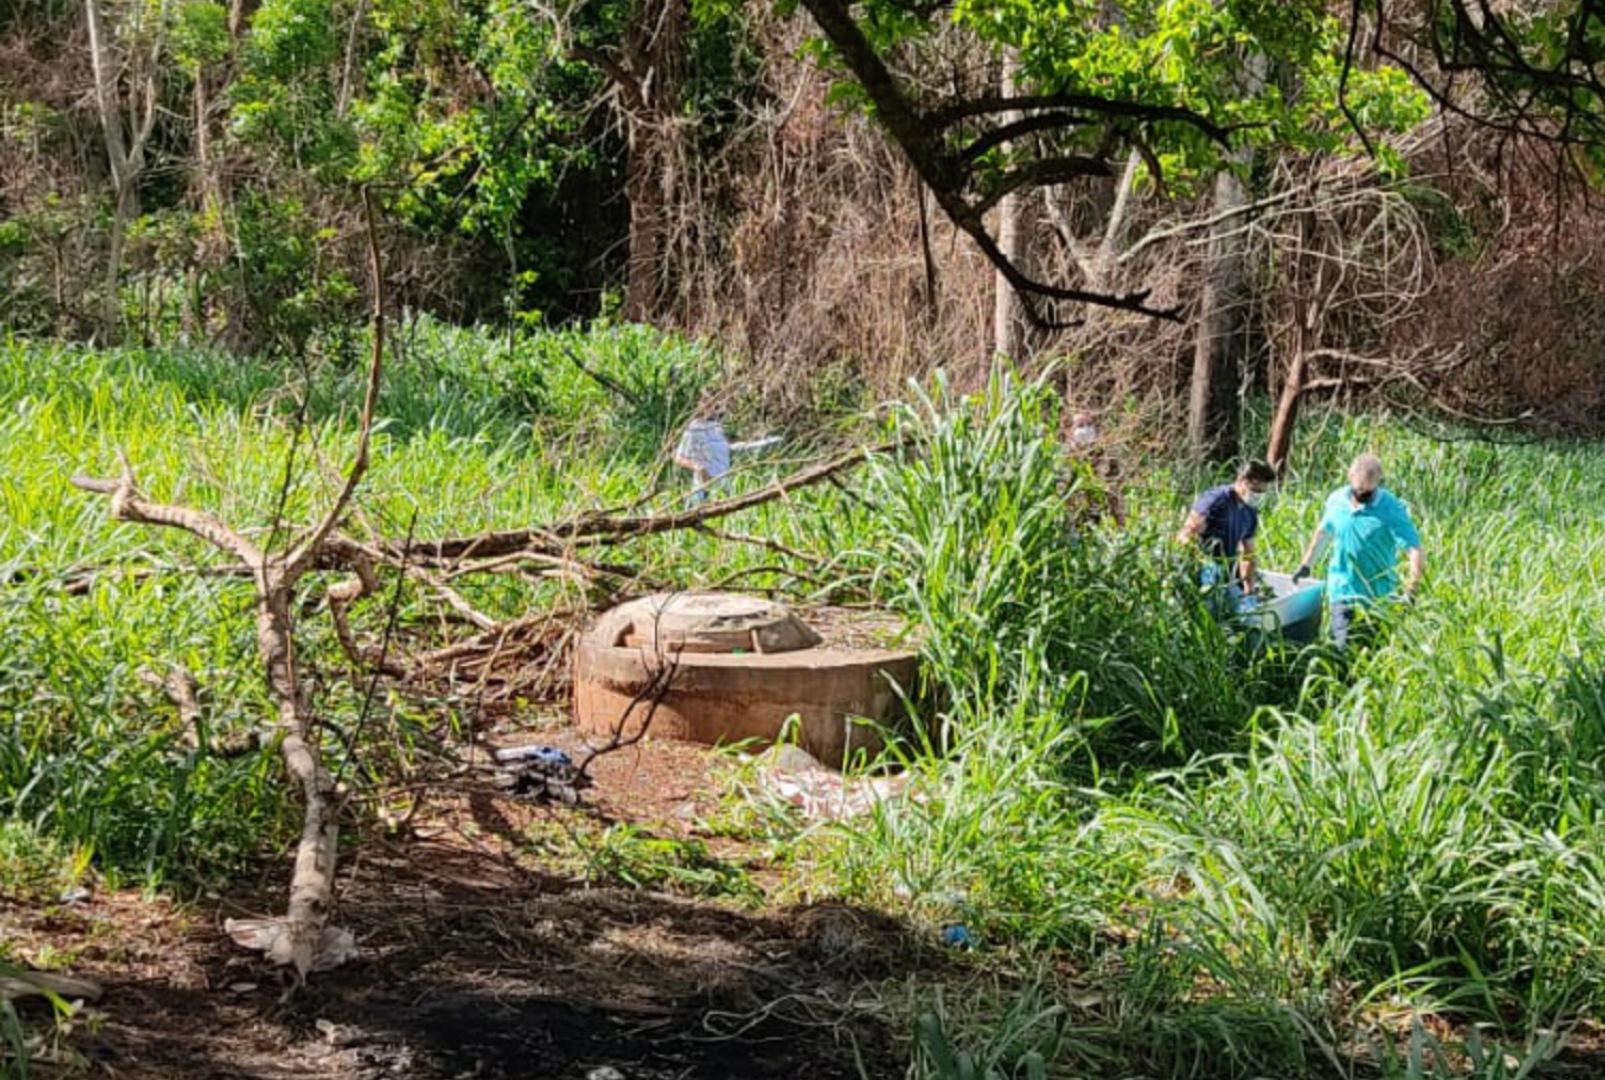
{"type": "Point", "coordinates": [1301, 573]}
{"type": "Point", "coordinates": [1191, 529]}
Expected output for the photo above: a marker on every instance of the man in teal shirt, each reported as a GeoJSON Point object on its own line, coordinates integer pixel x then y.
{"type": "Point", "coordinates": [1367, 527]}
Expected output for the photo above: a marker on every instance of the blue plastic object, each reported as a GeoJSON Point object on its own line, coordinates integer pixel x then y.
{"type": "Point", "coordinates": [958, 936]}
{"type": "Point", "coordinates": [546, 756]}
{"type": "Point", "coordinates": [1295, 610]}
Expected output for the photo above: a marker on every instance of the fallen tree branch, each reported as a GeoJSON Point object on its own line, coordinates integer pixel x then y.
{"type": "Point", "coordinates": [44, 984]}
{"type": "Point", "coordinates": [78, 580]}
{"type": "Point", "coordinates": [364, 581]}
{"type": "Point", "coordinates": [602, 528]}
{"type": "Point", "coordinates": [454, 599]}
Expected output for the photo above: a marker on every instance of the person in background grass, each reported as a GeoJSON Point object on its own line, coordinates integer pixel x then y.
{"type": "Point", "coordinates": [1224, 521]}
{"type": "Point", "coordinates": [705, 449]}
{"type": "Point", "coordinates": [1091, 503]}
{"type": "Point", "coordinates": [1367, 527]}
{"type": "Point", "coordinates": [1083, 431]}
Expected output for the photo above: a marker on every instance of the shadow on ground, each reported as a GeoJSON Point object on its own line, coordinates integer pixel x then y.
{"type": "Point", "coordinates": [470, 970]}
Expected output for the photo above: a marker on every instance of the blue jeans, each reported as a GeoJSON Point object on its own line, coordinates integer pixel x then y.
{"type": "Point", "coordinates": [1226, 592]}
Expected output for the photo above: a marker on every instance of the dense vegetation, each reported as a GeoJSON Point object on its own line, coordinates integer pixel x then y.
{"type": "Point", "coordinates": [789, 181]}
{"type": "Point", "coordinates": [1210, 860]}
{"type": "Point", "coordinates": [938, 229]}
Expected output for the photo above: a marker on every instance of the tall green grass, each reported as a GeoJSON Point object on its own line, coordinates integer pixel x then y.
{"type": "Point", "coordinates": [475, 431]}
{"type": "Point", "coordinates": [1263, 860]}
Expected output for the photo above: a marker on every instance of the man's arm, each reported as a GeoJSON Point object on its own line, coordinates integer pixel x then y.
{"type": "Point", "coordinates": [1404, 529]}
{"type": "Point", "coordinates": [1313, 552]}
{"type": "Point", "coordinates": [1246, 564]}
{"type": "Point", "coordinates": [1191, 529]}
{"type": "Point", "coordinates": [1418, 566]}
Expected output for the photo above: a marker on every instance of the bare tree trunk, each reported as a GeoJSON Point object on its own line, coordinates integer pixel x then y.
{"type": "Point", "coordinates": [239, 12]}
{"type": "Point", "coordinates": [644, 189]}
{"type": "Point", "coordinates": [312, 882]}
{"type": "Point", "coordinates": [344, 101]}
{"type": "Point", "coordinates": [203, 142]}
{"type": "Point", "coordinates": [1011, 326]}
{"type": "Point", "coordinates": [1212, 423]}
{"type": "Point", "coordinates": [1308, 309]}
{"type": "Point", "coordinates": [111, 301]}
{"type": "Point", "coordinates": [126, 157]}
{"type": "Point", "coordinates": [651, 79]}
{"type": "Point", "coordinates": [104, 65]}
{"type": "Point", "coordinates": [1212, 409]}
{"type": "Point", "coordinates": [1282, 424]}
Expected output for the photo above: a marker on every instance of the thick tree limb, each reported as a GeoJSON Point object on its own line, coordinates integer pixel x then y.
{"type": "Point", "coordinates": [1018, 129]}
{"type": "Point", "coordinates": [951, 175]}
{"type": "Point", "coordinates": [1042, 173]}
{"type": "Point", "coordinates": [1089, 105]}
{"type": "Point", "coordinates": [127, 504]}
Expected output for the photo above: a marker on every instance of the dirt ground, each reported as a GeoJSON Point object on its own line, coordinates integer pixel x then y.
{"type": "Point", "coordinates": [473, 963]}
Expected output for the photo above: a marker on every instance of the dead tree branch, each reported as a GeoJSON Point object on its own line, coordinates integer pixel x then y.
{"type": "Point", "coordinates": [303, 938]}
{"type": "Point", "coordinates": [300, 558]}
{"type": "Point", "coordinates": [607, 529]}
{"type": "Point", "coordinates": [954, 174]}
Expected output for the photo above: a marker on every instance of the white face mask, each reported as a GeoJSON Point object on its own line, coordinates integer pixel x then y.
{"type": "Point", "coordinates": [1255, 498]}
{"type": "Point", "coordinates": [1084, 436]}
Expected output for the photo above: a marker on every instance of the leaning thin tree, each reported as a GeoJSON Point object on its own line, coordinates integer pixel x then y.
{"type": "Point", "coordinates": [304, 938]}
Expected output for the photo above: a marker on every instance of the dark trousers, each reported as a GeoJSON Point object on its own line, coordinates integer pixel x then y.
{"type": "Point", "coordinates": [1351, 621]}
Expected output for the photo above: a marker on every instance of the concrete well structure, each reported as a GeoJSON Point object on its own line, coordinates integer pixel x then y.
{"type": "Point", "coordinates": [741, 667]}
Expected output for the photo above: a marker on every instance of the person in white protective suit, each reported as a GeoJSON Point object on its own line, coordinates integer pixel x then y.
{"type": "Point", "coordinates": [705, 450]}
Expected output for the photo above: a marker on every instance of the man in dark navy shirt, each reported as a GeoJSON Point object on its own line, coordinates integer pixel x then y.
{"type": "Point", "coordinates": [1225, 520]}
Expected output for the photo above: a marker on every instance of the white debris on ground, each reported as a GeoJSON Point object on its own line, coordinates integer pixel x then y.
{"type": "Point", "coordinates": [336, 945]}
{"type": "Point", "coordinates": [795, 776]}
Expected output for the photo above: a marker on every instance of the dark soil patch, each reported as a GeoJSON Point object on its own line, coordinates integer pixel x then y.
{"type": "Point", "coordinates": [474, 964]}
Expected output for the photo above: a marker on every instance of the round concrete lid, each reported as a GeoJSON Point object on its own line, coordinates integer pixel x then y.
{"type": "Point", "coordinates": [711, 622]}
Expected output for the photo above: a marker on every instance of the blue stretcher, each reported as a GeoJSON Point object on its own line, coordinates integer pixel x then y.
{"type": "Point", "coordinates": [1294, 612]}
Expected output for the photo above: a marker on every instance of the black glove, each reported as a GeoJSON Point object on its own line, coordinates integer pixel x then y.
{"type": "Point", "coordinates": [1301, 573]}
